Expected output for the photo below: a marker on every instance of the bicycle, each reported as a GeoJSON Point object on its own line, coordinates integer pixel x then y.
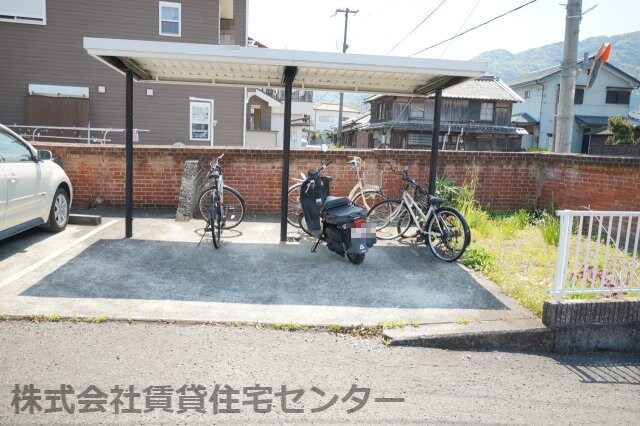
{"type": "Point", "coordinates": [219, 204]}
{"type": "Point", "coordinates": [443, 229]}
{"type": "Point", "coordinates": [363, 194]}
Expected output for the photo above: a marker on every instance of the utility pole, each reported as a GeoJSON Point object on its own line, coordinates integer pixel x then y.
{"type": "Point", "coordinates": [345, 46]}
{"type": "Point", "coordinates": [568, 71]}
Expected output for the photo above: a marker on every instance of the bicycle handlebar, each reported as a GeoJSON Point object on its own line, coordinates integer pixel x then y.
{"type": "Point", "coordinates": [355, 160]}
{"type": "Point", "coordinates": [325, 165]}
{"type": "Point", "coordinates": [216, 163]}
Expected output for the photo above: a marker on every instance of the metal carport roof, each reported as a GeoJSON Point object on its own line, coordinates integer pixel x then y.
{"type": "Point", "coordinates": [187, 63]}
{"type": "Point", "coordinates": [169, 62]}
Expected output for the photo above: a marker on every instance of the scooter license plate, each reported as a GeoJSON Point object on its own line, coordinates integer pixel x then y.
{"type": "Point", "coordinates": [363, 238]}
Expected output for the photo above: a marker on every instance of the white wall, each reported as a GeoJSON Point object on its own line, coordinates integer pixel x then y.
{"type": "Point", "coordinates": [298, 111]}
{"type": "Point", "coordinates": [333, 119]}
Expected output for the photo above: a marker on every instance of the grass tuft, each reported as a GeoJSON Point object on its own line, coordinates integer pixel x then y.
{"type": "Point", "coordinates": [292, 326]}
{"type": "Point", "coordinates": [98, 320]}
{"type": "Point", "coordinates": [478, 259]}
{"type": "Point", "coordinates": [393, 324]}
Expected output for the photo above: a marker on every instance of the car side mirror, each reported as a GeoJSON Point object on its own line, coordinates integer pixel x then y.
{"type": "Point", "coordinates": [45, 155]}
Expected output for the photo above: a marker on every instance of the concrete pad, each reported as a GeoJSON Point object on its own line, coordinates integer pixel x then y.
{"type": "Point", "coordinates": [163, 274]}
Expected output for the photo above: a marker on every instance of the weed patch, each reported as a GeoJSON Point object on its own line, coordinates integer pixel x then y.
{"type": "Point", "coordinates": [98, 320]}
{"type": "Point", "coordinates": [393, 324]}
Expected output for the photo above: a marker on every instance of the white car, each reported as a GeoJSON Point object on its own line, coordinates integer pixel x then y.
{"type": "Point", "coordinates": [34, 191]}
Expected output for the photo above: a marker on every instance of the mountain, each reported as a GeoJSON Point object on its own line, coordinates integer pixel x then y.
{"type": "Point", "coordinates": [625, 54]}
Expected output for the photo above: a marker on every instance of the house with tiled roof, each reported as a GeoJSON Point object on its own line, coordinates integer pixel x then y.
{"type": "Point", "coordinates": [608, 97]}
{"type": "Point", "coordinates": [475, 116]}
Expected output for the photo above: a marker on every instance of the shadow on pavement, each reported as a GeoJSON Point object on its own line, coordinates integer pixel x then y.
{"type": "Point", "coordinates": [390, 277]}
{"type": "Point", "coordinates": [623, 369]}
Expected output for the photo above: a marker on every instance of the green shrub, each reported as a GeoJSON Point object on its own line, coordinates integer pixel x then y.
{"type": "Point", "coordinates": [622, 131]}
{"type": "Point", "coordinates": [550, 228]}
{"type": "Point", "coordinates": [447, 189]}
{"type": "Point", "coordinates": [478, 259]}
{"type": "Point", "coordinates": [538, 149]}
{"type": "Point", "coordinates": [466, 199]}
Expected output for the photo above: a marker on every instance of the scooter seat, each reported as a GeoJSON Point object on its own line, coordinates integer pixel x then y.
{"type": "Point", "coordinates": [342, 214]}
{"type": "Point", "coordinates": [332, 202]}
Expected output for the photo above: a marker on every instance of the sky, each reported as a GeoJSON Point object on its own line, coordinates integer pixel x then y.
{"type": "Point", "coordinates": [380, 24]}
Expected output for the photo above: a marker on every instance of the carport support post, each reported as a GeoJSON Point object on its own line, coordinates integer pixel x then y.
{"type": "Point", "coordinates": [288, 77]}
{"type": "Point", "coordinates": [129, 155]}
{"type": "Point", "coordinates": [435, 140]}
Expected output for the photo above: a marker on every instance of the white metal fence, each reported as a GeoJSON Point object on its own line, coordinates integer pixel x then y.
{"type": "Point", "coordinates": [597, 253]}
{"type": "Point", "coordinates": [88, 134]}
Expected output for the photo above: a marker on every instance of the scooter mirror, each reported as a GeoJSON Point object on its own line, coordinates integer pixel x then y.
{"type": "Point", "coordinates": [324, 147]}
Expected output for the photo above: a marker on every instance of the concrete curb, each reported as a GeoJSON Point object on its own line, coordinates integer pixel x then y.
{"type": "Point", "coordinates": [518, 334]}
{"type": "Point", "coordinates": [85, 219]}
{"type": "Point", "coordinates": [528, 340]}
{"type": "Point", "coordinates": [577, 339]}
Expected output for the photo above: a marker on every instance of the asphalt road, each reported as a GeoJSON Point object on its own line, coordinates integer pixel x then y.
{"type": "Point", "coordinates": [318, 368]}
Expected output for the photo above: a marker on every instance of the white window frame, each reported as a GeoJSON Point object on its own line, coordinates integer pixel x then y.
{"type": "Point", "coordinates": [209, 105]}
{"type": "Point", "coordinates": [25, 19]}
{"type": "Point", "coordinates": [160, 20]}
{"type": "Point", "coordinates": [527, 94]}
{"type": "Point", "coordinates": [483, 110]}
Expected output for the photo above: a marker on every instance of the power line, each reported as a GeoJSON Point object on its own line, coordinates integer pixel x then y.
{"type": "Point", "coordinates": [460, 27]}
{"type": "Point", "coordinates": [474, 28]}
{"type": "Point", "coordinates": [417, 26]}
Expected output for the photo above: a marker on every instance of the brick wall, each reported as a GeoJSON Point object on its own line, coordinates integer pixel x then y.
{"type": "Point", "coordinates": [504, 180]}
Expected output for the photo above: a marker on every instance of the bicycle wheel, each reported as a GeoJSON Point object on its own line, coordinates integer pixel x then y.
{"type": "Point", "coordinates": [448, 234]}
{"type": "Point", "coordinates": [215, 220]}
{"type": "Point", "coordinates": [294, 207]}
{"type": "Point", "coordinates": [234, 207]}
{"type": "Point", "coordinates": [367, 198]}
{"type": "Point", "coordinates": [391, 219]}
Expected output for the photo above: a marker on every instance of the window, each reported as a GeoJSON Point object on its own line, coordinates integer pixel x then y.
{"type": "Point", "coordinates": [579, 96]}
{"type": "Point", "coordinates": [200, 121]}
{"type": "Point", "coordinates": [618, 96]}
{"type": "Point", "coordinates": [12, 150]}
{"type": "Point", "coordinates": [382, 111]}
{"type": "Point", "coordinates": [416, 110]}
{"type": "Point", "coordinates": [170, 16]}
{"type": "Point", "coordinates": [256, 118]}
{"type": "Point", "coordinates": [486, 111]}
{"type": "Point", "coordinates": [24, 11]}
{"type": "Point", "coordinates": [527, 94]}
{"type": "Point", "coordinates": [419, 139]}
{"type": "Point", "coordinates": [325, 119]}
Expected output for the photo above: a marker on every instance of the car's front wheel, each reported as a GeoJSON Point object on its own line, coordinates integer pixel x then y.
{"type": "Point", "coordinates": [59, 213]}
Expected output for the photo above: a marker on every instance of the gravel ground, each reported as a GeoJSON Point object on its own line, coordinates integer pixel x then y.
{"type": "Point", "coordinates": [437, 386]}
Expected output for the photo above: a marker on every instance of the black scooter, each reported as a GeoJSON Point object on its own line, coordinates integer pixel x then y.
{"type": "Point", "coordinates": [334, 220]}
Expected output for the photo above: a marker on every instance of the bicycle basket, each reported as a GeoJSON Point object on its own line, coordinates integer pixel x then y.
{"type": "Point", "coordinates": [372, 179]}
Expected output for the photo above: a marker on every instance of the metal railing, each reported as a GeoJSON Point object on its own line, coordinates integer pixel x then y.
{"type": "Point", "coordinates": [33, 133]}
{"type": "Point", "coordinates": [597, 253]}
